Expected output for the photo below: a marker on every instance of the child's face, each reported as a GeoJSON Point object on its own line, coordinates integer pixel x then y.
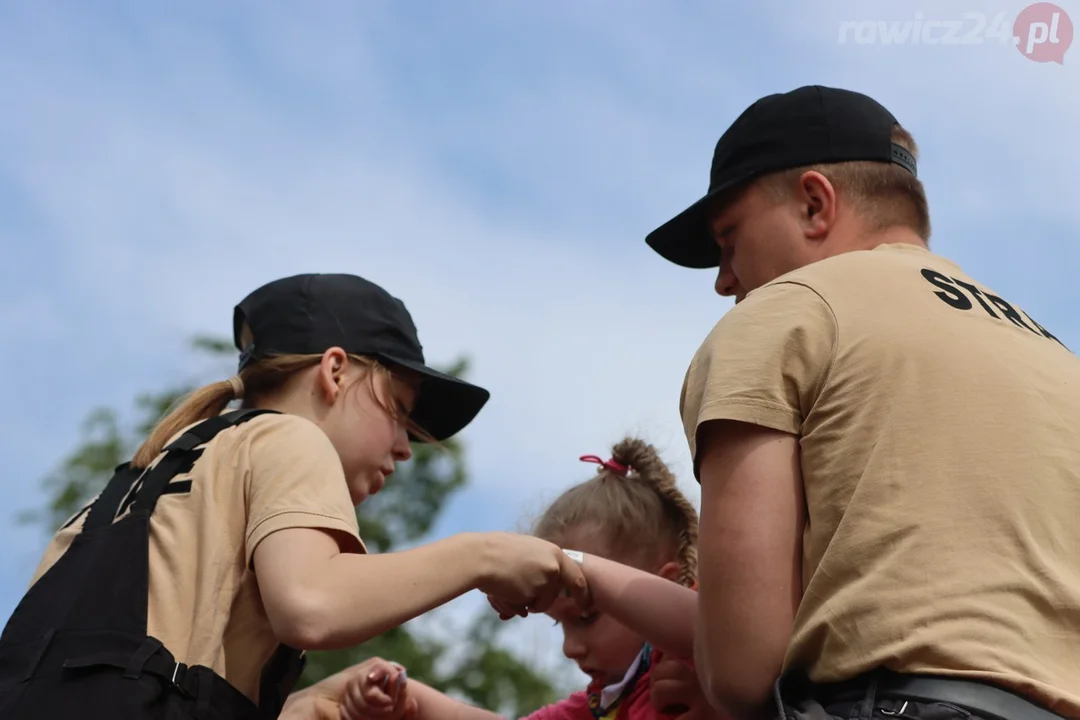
{"type": "Point", "coordinates": [602, 648]}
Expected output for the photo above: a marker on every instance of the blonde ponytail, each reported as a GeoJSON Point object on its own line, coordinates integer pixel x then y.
{"type": "Point", "coordinates": [260, 377]}
{"type": "Point", "coordinates": [201, 404]}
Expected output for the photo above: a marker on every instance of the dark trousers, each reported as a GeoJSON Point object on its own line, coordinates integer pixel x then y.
{"type": "Point", "coordinates": [883, 695]}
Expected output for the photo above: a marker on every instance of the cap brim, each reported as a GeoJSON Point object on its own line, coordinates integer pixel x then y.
{"type": "Point", "coordinates": [446, 404]}
{"type": "Point", "coordinates": [686, 240]}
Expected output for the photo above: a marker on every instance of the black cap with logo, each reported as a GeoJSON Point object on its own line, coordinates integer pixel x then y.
{"type": "Point", "coordinates": [806, 126]}
{"type": "Point", "coordinates": [308, 314]}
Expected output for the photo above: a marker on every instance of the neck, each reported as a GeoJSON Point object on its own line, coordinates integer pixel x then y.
{"type": "Point", "coordinates": [291, 403]}
{"type": "Point", "coordinates": [893, 236]}
{"type": "Point", "coordinates": [858, 239]}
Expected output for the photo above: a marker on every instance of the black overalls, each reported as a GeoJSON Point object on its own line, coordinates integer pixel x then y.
{"type": "Point", "coordinates": [77, 645]}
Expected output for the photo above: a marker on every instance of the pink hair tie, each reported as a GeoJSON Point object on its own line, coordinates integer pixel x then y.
{"type": "Point", "coordinates": [615, 467]}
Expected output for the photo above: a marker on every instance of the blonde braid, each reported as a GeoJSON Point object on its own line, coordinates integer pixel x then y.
{"type": "Point", "coordinates": [647, 466]}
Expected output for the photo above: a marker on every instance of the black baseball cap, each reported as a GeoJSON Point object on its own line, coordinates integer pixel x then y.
{"type": "Point", "coordinates": [806, 126]}
{"type": "Point", "coordinates": [308, 314]}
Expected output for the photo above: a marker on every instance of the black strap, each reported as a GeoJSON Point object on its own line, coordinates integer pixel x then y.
{"type": "Point", "coordinates": [197, 682]}
{"type": "Point", "coordinates": [977, 697]}
{"type": "Point", "coordinates": [103, 510]}
{"type": "Point", "coordinates": [177, 452]}
{"type": "Point", "coordinates": [279, 677]}
{"type": "Point", "coordinates": [138, 661]}
{"type": "Point", "coordinates": [151, 658]}
{"type": "Point", "coordinates": [205, 431]}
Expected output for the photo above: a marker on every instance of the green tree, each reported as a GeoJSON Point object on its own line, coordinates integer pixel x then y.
{"type": "Point", "coordinates": [478, 670]}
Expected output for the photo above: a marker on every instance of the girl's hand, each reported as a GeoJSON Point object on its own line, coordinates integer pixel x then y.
{"type": "Point", "coordinates": [378, 691]}
{"type": "Point", "coordinates": [524, 574]}
{"type": "Point", "coordinates": [504, 609]}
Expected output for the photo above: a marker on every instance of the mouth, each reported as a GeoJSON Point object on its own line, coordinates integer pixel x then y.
{"type": "Point", "coordinates": [594, 674]}
{"type": "Point", "coordinates": [381, 482]}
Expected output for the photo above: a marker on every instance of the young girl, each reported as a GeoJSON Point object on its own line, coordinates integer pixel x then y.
{"type": "Point", "coordinates": [635, 535]}
{"type": "Point", "coordinates": [231, 540]}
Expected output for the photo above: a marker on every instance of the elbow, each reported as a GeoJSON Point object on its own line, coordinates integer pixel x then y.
{"type": "Point", "coordinates": [738, 693]}
{"type": "Point", "coordinates": [741, 702]}
{"type": "Point", "coordinates": [302, 621]}
{"type": "Point", "coordinates": [739, 698]}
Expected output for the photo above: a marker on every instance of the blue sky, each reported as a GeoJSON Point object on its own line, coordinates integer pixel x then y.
{"type": "Point", "coordinates": [497, 165]}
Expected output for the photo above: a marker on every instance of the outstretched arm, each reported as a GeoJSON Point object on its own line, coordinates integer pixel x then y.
{"type": "Point", "coordinates": [658, 609]}
{"type": "Point", "coordinates": [433, 705]}
{"type": "Point", "coordinates": [319, 598]}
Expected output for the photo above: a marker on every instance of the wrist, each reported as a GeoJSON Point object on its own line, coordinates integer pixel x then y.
{"type": "Point", "coordinates": [298, 706]}
{"type": "Point", "coordinates": [477, 549]}
{"type": "Point", "coordinates": [576, 555]}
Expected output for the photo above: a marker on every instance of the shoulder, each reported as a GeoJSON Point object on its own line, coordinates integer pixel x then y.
{"type": "Point", "coordinates": [767, 316]}
{"type": "Point", "coordinates": [280, 432]}
{"type": "Point", "coordinates": [273, 447]}
{"type": "Point", "coordinates": [763, 362]}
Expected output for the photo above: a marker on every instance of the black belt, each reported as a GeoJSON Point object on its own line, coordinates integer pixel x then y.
{"type": "Point", "coordinates": [977, 697]}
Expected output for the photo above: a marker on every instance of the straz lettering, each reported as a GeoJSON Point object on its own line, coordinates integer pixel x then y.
{"type": "Point", "coordinates": [963, 296]}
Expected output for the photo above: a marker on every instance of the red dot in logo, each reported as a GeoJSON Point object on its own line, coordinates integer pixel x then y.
{"type": "Point", "coordinates": [1043, 32]}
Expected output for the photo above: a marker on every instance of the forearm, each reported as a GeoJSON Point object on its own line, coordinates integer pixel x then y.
{"type": "Point", "coordinates": [346, 599]}
{"type": "Point", "coordinates": [736, 669]}
{"type": "Point", "coordinates": [659, 610]}
{"type": "Point", "coordinates": [434, 705]}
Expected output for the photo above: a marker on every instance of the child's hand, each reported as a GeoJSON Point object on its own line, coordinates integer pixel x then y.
{"type": "Point", "coordinates": [379, 691]}
{"type": "Point", "coordinates": [505, 609]}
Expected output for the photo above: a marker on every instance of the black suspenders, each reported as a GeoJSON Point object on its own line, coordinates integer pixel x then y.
{"type": "Point", "coordinates": [77, 646]}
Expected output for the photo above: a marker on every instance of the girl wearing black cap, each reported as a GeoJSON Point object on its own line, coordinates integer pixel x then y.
{"type": "Point", "coordinates": [230, 542]}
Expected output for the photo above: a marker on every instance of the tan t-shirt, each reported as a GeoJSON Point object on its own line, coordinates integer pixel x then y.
{"type": "Point", "coordinates": [940, 442]}
{"type": "Point", "coordinates": [270, 473]}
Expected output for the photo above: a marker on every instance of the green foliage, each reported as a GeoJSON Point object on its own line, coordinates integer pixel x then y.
{"type": "Point", "coordinates": [403, 513]}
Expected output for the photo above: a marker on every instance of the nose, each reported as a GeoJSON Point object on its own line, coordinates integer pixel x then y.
{"type": "Point", "coordinates": [402, 448]}
{"type": "Point", "coordinates": [573, 648]}
{"type": "Point", "coordinates": [726, 284]}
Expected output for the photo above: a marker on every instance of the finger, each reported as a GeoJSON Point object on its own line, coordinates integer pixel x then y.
{"type": "Point", "coordinates": [379, 672]}
{"type": "Point", "coordinates": [412, 709]}
{"type": "Point", "coordinates": [376, 696]}
{"type": "Point", "coordinates": [664, 692]}
{"type": "Point", "coordinates": [573, 580]}
{"type": "Point", "coordinates": [350, 709]}
{"type": "Point", "coordinates": [501, 607]}
{"type": "Point", "coordinates": [673, 687]}
{"type": "Point", "coordinates": [547, 595]}
{"type": "Point", "coordinates": [397, 683]}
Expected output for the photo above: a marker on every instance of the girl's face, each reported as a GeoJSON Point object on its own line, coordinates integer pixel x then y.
{"type": "Point", "coordinates": [602, 648]}
{"type": "Point", "coordinates": [368, 439]}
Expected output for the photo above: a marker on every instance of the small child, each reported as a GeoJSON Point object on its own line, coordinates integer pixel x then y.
{"type": "Point", "coordinates": [635, 535]}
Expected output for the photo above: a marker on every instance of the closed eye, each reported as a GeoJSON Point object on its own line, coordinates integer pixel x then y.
{"type": "Point", "coordinates": [584, 619]}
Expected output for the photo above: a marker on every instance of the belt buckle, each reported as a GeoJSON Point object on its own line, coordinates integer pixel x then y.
{"type": "Point", "coordinates": [894, 713]}
{"type": "Point", "coordinates": [178, 674]}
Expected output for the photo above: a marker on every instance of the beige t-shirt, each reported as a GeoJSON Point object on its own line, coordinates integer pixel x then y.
{"type": "Point", "coordinates": [940, 441]}
{"type": "Point", "coordinates": [270, 473]}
